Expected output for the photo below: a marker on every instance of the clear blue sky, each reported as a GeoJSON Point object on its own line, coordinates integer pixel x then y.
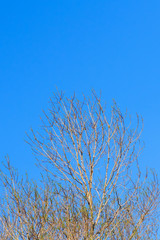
{"type": "Point", "coordinates": [108, 45]}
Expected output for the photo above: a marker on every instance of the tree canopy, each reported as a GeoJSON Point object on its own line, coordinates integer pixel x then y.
{"type": "Point", "coordinates": [92, 186]}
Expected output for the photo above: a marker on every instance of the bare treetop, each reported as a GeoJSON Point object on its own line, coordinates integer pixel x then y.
{"type": "Point", "coordinates": [91, 154]}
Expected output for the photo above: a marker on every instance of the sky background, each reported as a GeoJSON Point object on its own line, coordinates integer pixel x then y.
{"type": "Point", "coordinates": [110, 46]}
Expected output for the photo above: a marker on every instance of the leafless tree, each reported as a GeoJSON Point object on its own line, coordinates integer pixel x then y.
{"type": "Point", "coordinates": [91, 156]}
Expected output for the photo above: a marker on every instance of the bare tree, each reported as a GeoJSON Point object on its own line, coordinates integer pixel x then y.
{"type": "Point", "coordinates": [95, 155]}
{"type": "Point", "coordinates": [94, 188]}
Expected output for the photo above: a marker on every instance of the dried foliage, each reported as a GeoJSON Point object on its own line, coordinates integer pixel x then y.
{"type": "Point", "coordinates": [92, 186]}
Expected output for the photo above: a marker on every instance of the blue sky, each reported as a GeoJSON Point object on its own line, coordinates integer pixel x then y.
{"type": "Point", "coordinates": [112, 46]}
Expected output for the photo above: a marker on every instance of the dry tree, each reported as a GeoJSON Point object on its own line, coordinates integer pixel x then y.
{"type": "Point", "coordinates": [95, 186]}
